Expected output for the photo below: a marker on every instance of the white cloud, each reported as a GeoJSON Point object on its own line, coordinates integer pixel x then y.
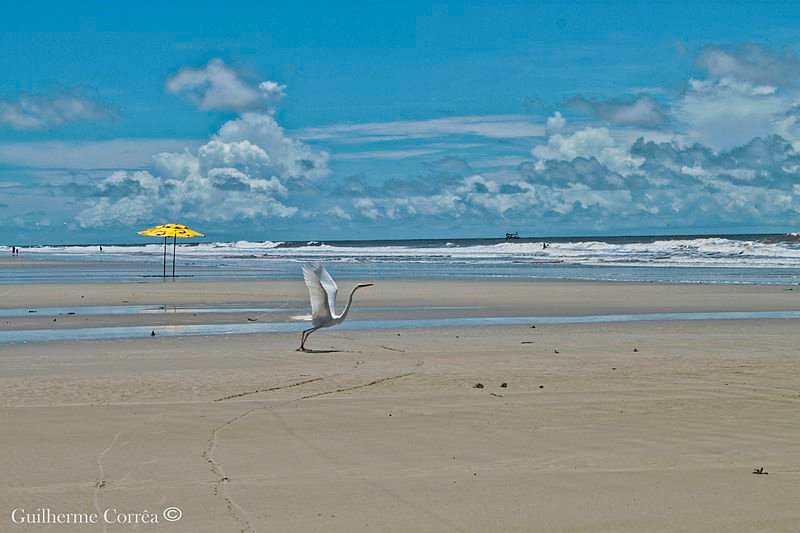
{"type": "Point", "coordinates": [216, 86]}
{"type": "Point", "coordinates": [122, 183]}
{"type": "Point", "coordinates": [748, 91]}
{"type": "Point", "coordinates": [289, 157]}
{"type": "Point", "coordinates": [447, 203]}
{"type": "Point", "coordinates": [751, 62]}
{"type": "Point", "coordinates": [386, 154]}
{"type": "Point", "coordinates": [705, 171]}
{"type": "Point", "coordinates": [642, 111]}
{"type": "Point", "coordinates": [338, 212]}
{"type": "Point", "coordinates": [725, 113]}
{"type": "Point", "coordinates": [80, 155]}
{"type": "Point", "coordinates": [574, 182]}
{"type": "Point", "coordinates": [502, 161]}
{"type": "Point", "coordinates": [243, 155]}
{"type": "Point", "coordinates": [491, 126]}
{"type": "Point", "coordinates": [177, 165]}
{"type": "Point", "coordinates": [105, 213]}
{"type": "Point", "coordinates": [588, 142]}
{"type": "Point", "coordinates": [243, 172]}
{"type": "Point", "coordinates": [555, 124]}
{"type": "Point", "coordinates": [488, 199]}
{"type": "Point", "coordinates": [38, 113]}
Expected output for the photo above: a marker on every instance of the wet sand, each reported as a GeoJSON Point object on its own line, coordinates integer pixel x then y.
{"type": "Point", "coordinates": [651, 426]}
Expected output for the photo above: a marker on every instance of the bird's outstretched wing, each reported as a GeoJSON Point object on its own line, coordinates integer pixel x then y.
{"type": "Point", "coordinates": [330, 289]}
{"type": "Point", "coordinates": [320, 303]}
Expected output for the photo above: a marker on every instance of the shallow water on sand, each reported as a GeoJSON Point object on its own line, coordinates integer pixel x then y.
{"type": "Point", "coordinates": [126, 332]}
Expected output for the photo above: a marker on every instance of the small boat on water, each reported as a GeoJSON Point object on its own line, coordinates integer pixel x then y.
{"type": "Point", "coordinates": [510, 236]}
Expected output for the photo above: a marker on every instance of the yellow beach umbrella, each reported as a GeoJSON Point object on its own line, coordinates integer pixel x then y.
{"type": "Point", "coordinates": [174, 231]}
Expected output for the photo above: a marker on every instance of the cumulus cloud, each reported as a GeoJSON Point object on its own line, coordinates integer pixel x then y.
{"type": "Point", "coordinates": [588, 142]}
{"type": "Point", "coordinates": [724, 113]}
{"type": "Point", "coordinates": [750, 62]}
{"type": "Point", "coordinates": [243, 172]}
{"type": "Point", "coordinates": [216, 86]}
{"type": "Point", "coordinates": [288, 157]}
{"type": "Point", "coordinates": [449, 166]}
{"type": "Point", "coordinates": [577, 171]}
{"type": "Point", "coordinates": [724, 151]}
{"type": "Point", "coordinates": [122, 183]}
{"type": "Point", "coordinates": [555, 124]}
{"type": "Point", "coordinates": [37, 112]}
{"type": "Point", "coordinates": [770, 162]}
{"type": "Point", "coordinates": [748, 91]}
{"type": "Point", "coordinates": [642, 111]}
{"type": "Point", "coordinates": [489, 199]}
{"type": "Point", "coordinates": [339, 213]}
{"type": "Point", "coordinates": [745, 92]}
{"type": "Point", "coordinates": [671, 185]}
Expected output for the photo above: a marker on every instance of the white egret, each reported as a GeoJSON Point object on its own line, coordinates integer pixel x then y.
{"type": "Point", "coordinates": [322, 290]}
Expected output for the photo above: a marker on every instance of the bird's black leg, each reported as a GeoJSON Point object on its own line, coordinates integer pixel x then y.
{"type": "Point", "coordinates": [303, 338]}
{"type": "Point", "coordinates": [306, 333]}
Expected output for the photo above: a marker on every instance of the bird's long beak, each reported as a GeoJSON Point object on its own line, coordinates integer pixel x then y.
{"type": "Point", "coordinates": [366, 284]}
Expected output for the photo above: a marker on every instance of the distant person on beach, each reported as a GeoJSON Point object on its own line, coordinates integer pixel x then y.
{"type": "Point", "coordinates": [101, 247]}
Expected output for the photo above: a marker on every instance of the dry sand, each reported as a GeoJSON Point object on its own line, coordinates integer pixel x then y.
{"type": "Point", "coordinates": [388, 432]}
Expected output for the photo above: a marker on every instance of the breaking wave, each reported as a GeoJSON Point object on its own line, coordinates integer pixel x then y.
{"type": "Point", "coordinates": [765, 251]}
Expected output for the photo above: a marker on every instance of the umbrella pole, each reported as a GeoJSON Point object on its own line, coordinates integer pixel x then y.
{"type": "Point", "coordinates": [174, 244]}
{"type": "Point", "coordinates": [165, 258]}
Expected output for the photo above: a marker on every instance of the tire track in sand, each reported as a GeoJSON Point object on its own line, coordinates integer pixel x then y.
{"type": "Point", "coordinates": [101, 479]}
{"type": "Point", "coordinates": [233, 509]}
{"type": "Point", "coordinates": [377, 486]}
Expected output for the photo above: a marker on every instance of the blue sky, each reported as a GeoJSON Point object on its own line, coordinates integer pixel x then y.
{"type": "Point", "coordinates": [332, 120]}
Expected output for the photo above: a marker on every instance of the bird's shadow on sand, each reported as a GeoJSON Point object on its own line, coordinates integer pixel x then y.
{"type": "Point", "coordinates": [309, 350]}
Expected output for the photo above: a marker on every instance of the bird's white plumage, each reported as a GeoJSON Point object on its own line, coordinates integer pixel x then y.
{"type": "Point", "coordinates": [321, 298]}
{"type": "Point", "coordinates": [330, 289]}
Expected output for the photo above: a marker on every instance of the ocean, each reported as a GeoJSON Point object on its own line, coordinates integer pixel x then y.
{"type": "Point", "coordinates": [744, 259]}
{"type": "Point", "coordinates": [747, 259]}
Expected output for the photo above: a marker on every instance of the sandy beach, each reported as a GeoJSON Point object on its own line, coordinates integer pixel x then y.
{"type": "Point", "coordinates": [400, 267]}
{"type": "Point", "coordinates": [638, 426]}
